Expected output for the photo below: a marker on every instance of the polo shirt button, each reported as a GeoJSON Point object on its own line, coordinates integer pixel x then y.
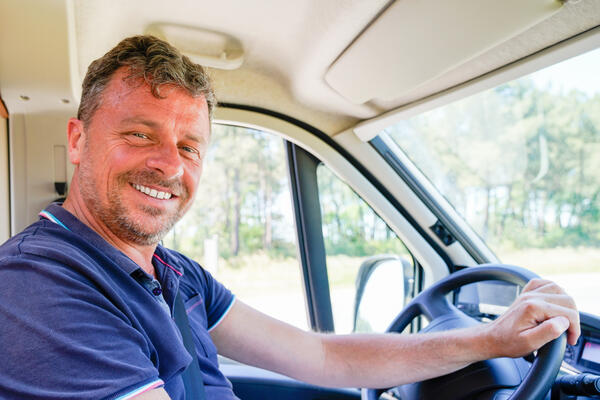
{"type": "Point", "coordinates": [157, 291]}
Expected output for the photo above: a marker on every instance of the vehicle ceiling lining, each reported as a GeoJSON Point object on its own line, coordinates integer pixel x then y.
{"type": "Point", "coordinates": [292, 45]}
{"type": "Point", "coordinates": [288, 48]}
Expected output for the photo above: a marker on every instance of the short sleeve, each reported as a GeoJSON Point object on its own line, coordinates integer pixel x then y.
{"type": "Point", "coordinates": [210, 293]}
{"type": "Point", "coordinates": [62, 338]}
{"type": "Point", "coordinates": [219, 300]}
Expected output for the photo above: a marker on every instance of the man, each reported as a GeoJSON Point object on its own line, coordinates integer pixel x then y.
{"type": "Point", "coordinates": [87, 292]}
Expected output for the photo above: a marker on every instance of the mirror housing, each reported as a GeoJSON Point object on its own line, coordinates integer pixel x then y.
{"type": "Point", "coordinates": [383, 273]}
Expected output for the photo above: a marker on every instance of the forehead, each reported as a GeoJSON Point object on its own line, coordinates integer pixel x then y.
{"type": "Point", "coordinates": [126, 98]}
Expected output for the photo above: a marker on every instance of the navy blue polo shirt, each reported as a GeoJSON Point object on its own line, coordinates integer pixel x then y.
{"type": "Point", "coordinates": [80, 320]}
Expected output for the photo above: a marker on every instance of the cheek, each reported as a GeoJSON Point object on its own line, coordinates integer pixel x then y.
{"type": "Point", "coordinates": [193, 179]}
{"type": "Point", "coordinates": [120, 159]}
{"type": "Point", "coordinates": [108, 165]}
{"type": "Point", "coordinates": [119, 156]}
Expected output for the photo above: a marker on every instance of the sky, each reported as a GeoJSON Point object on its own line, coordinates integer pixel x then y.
{"type": "Point", "coordinates": [581, 72]}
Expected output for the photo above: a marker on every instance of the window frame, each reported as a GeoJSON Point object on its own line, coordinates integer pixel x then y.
{"type": "Point", "coordinates": [307, 147]}
{"type": "Point", "coordinates": [311, 244]}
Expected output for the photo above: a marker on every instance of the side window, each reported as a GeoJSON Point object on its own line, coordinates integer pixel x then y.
{"type": "Point", "coordinates": [371, 272]}
{"type": "Point", "coordinates": [241, 226]}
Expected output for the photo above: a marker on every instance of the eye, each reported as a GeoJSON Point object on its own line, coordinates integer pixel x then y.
{"type": "Point", "coordinates": [140, 135]}
{"type": "Point", "coordinates": [190, 150]}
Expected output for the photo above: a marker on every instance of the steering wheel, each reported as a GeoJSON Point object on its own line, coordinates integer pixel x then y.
{"type": "Point", "coordinates": [490, 379]}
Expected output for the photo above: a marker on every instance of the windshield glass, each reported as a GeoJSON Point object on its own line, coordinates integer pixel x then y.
{"type": "Point", "coordinates": [521, 164]}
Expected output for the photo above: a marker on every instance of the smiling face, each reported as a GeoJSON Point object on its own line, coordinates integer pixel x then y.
{"type": "Point", "coordinates": [139, 159]}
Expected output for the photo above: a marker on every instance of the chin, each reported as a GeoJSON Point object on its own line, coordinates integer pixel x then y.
{"type": "Point", "coordinates": [148, 233]}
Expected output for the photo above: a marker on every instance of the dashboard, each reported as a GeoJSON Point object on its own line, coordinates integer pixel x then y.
{"type": "Point", "coordinates": [585, 355]}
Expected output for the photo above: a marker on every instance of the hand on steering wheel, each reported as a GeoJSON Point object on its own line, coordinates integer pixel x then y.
{"type": "Point", "coordinates": [522, 322]}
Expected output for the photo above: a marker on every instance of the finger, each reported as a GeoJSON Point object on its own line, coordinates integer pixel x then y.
{"type": "Point", "coordinates": [550, 292]}
{"type": "Point", "coordinates": [548, 330]}
{"type": "Point", "coordinates": [542, 285]}
{"type": "Point", "coordinates": [561, 299]}
{"type": "Point", "coordinates": [573, 335]}
{"type": "Point", "coordinates": [574, 331]}
{"type": "Point", "coordinates": [539, 312]}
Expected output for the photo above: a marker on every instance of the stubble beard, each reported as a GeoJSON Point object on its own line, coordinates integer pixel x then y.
{"type": "Point", "coordinates": [122, 222]}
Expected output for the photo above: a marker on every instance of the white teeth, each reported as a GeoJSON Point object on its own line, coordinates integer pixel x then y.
{"type": "Point", "coordinates": [152, 192]}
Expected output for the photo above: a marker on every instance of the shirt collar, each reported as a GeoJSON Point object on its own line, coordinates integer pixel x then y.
{"type": "Point", "coordinates": [56, 213]}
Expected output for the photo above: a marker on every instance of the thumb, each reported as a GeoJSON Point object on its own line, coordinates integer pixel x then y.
{"type": "Point", "coordinates": [548, 330]}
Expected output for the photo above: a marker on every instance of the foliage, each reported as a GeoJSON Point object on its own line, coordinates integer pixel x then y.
{"type": "Point", "coordinates": [350, 226]}
{"type": "Point", "coordinates": [241, 201]}
{"type": "Point", "coordinates": [520, 163]}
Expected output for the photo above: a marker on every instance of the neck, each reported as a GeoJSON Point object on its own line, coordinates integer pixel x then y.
{"type": "Point", "coordinates": [140, 254]}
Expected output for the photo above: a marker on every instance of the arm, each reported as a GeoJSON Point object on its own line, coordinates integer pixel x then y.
{"type": "Point", "coordinates": [540, 314]}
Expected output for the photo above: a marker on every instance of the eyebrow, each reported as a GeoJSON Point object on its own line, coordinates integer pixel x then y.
{"type": "Point", "coordinates": [138, 120]}
{"type": "Point", "coordinates": [196, 138]}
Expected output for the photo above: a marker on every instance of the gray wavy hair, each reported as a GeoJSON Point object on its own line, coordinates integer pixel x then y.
{"type": "Point", "coordinates": [150, 60]}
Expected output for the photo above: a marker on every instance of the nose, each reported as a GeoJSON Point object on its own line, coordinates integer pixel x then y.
{"type": "Point", "coordinates": [165, 158]}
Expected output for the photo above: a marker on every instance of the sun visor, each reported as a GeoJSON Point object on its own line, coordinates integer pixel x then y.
{"type": "Point", "coordinates": [402, 49]}
{"type": "Point", "coordinates": [202, 46]}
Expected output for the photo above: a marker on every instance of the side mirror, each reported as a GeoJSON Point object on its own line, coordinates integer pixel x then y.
{"type": "Point", "coordinates": [384, 285]}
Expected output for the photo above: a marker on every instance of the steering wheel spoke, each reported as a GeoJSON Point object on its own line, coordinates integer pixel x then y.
{"type": "Point", "coordinates": [434, 307]}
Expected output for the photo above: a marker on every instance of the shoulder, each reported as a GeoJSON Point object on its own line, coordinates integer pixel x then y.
{"type": "Point", "coordinates": [35, 245]}
{"type": "Point", "coordinates": [40, 257]}
{"type": "Point", "coordinates": [48, 281]}
{"type": "Point", "coordinates": [40, 238]}
{"type": "Point", "coordinates": [16, 245]}
{"type": "Point", "coordinates": [54, 257]}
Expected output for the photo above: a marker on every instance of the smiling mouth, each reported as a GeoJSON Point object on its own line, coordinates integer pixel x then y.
{"type": "Point", "coordinates": [157, 194]}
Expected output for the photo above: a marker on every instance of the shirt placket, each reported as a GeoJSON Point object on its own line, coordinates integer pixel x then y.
{"type": "Point", "coordinates": [153, 286]}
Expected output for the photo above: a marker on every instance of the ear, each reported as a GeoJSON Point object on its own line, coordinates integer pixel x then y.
{"type": "Point", "coordinates": [76, 137]}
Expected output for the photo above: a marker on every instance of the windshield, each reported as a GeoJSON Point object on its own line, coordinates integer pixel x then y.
{"type": "Point", "coordinates": [521, 164]}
